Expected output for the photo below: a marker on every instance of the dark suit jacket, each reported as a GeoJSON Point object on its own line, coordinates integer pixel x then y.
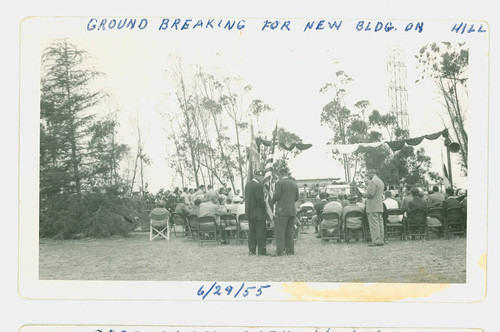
{"type": "Point", "coordinates": [285, 195]}
{"type": "Point", "coordinates": [416, 203]}
{"type": "Point", "coordinates": [255, 207]}
{"type": "Point", "coordinates": [319, 207]}
{"type": "Point", "coordinates": [449, 203]}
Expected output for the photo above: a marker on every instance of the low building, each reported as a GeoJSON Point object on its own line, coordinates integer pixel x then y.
{"type": "Point", "coordinates": [322, 183]}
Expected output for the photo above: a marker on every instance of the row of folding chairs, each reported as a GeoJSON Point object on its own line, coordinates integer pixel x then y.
{"type": "Point", "coordinates": [305, 217]}
{"type": "Point", "coordinates": [332, 228]}
{"type": "Point", "coordinates": [205, 229]}
{"type": "Point", "coordinates": [414, 225]}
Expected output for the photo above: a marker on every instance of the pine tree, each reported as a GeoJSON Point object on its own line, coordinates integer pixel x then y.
{"type": "Point", "coordinates": [80, 189]}
{"type": "Point", "coordinates": [66, 120]}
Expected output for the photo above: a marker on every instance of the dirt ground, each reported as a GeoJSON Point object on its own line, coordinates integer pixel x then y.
{"type": "Point", "coordinates": [136, 258]}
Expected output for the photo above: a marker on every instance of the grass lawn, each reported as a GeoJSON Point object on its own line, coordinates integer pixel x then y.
{"type": "Point", "coordinates": [136, 258]}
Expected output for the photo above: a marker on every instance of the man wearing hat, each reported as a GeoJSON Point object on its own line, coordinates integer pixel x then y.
{"type": "Point", "coordinates": [255, 210]}
{"type": "Point", "coordinates": [451, 200]}
{"type": "Point", "coordinates": [285, 195]}
{"type": "Point", "coordinates": [374, 208]}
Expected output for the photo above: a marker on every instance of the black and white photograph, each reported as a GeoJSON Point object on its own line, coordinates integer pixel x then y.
{"type": "Point", "coordinates": [312, 158]}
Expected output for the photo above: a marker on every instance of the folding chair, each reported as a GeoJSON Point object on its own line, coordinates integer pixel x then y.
{"type": "Point", "coordinates": [435, 220]}
{"type": "Point", "coordinates": [192, 224]}
{"type": "Point", "coordinates": [159, 227]}
{"type": "Point", "coordinates": [305, 216]}
{"type": "Point", "coordinates": [416, 224]}
{"type": "Point", "coordinates": [178, 219]}
{"type": "Point", "coordinates": [231, 228]}
{"type": "Point", "coordinates": [331, 227]}
{"type": "Point", "coordinates": [366, 228]}
{"type": "Point", "coordinates": [297, 225]}
{"type": "Point", "coordinates": [464, 218]}
{"type": "Point", "coordinates": [207, 230]}
{"type": "Point", "coordinates": [353, 223]}
{"type": "Point", "coordinates": [453, 222]}
{"type": "Point", "coordinates": [393, 223]}
{"type": "Point", "coordinates": [243, 227]}
{"type": "Point", "coordinates": [269, 233]}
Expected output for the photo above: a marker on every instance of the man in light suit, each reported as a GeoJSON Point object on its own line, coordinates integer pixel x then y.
{"type": "Point", "coordinates": [286, 193]}
{"type": "Point", "coordinates": [374, 208]}
{"type": "Point", "coordinates": [255, 210]}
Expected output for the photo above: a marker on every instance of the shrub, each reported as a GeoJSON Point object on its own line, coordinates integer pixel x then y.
{"type": "Point", "coordinates": [99, 213]}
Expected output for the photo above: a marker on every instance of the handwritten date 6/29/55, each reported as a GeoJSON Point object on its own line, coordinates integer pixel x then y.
{"type": "Point", "coordinates": [242, 290]}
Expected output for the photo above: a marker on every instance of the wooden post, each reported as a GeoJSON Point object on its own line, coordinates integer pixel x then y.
{"type": "Point", "coordinates": [450, 177]}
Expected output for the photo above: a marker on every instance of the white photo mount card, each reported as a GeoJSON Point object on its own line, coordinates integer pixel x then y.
{"type": "Point", "coordinates": [119, 114]}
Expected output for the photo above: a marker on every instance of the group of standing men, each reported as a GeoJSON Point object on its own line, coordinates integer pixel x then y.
{"type": "Point", "coordinates": [285, 195]}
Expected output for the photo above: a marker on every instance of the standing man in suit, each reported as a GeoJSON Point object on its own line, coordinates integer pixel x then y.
{"type": "Point", "coordinates": [255, 210]}
{"type": "Point", "coordinates": [374, 208]}
{"type": "Point", "coordinates": [286, 194]}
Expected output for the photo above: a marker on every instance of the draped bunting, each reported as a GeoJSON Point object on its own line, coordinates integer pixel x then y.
{"type": "Point", "coordinates": [398, 145]}
{"type": "Point", "coordinates": [260, 141]}
{"type": "Point", "coordinates": [394, 145]}
{"type": "Point", "coordinates": [288, 148]}
{"type": "Point", "coordinates": [350, 148]}
{"type": "Point", "coordinates": [414, 141]}
{"type": "Point", "coordinates": [302, 146]}
{"type": "Point", "coordinates": [434, 136]}
{"type": "Point", "coordinates": [299, 146]}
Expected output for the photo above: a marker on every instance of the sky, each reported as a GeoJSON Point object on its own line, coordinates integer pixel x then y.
{"type": "Point", "coordinates": [286, 71]}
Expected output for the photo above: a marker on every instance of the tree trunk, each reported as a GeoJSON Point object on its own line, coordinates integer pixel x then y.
{"type": "Point", "coordinates": [112, 169]}
{"type": "Point", "coordinates": [72, 133]}
{"type": "Point", "coordinates": [178, 155]}
{"type": "Point", "coordinates": [185, 110]}
{"type": "Point", "coordinates": [223, 155]}
{"type": "Point", "coordinates": [454, 113]}
{"type": "Point", "coordinates": [135, 171]}
{"type": "Point", "coordinates": [142, 174]}
{"type": "Point", "coordinates": [240, 160]}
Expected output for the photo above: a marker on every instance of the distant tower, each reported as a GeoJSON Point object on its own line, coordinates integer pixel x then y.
{"type": "Point", "coordinates": [397, 86]}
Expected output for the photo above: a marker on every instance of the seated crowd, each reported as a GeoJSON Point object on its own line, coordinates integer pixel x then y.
{"type": "Point", "coordinates": [414, 198]}
{"type": "Point", "coordinates": [201, 202]}
{"type": "Point", "coordinates": [208, 202]}
{"type": "Point", "coordinates": [336, 204]}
